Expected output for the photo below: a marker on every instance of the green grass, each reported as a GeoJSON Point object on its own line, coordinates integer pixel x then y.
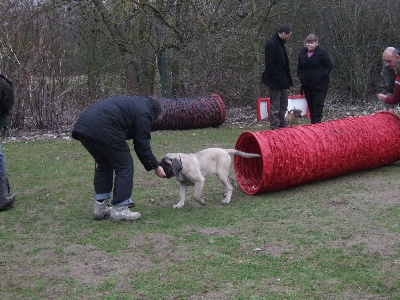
{"type": "Point", "coordinates": [333, 239]}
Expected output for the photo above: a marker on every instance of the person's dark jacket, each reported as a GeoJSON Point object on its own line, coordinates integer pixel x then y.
{"type": "Point", "coordinates": [277, 70]}
{"type": "Point", "coordinates": [389, 77]}
{"type": "Point", "coordinates": [6, 95]}
{"type": "Point", "coordinates": [314, 71]}
{"type": "Point", "coordinates": [114, 120]}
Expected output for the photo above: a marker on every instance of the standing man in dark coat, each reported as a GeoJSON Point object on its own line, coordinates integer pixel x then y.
{"type": "Point", "coordinates": [313, 69]}
{"type": "Point", "coordinates": [277, 75]}
{"type": "Point", "coordinates": [103, 129]}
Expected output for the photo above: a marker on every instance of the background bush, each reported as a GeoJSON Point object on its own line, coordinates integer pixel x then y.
{"type": "Point", "coordinates": [63, 55]}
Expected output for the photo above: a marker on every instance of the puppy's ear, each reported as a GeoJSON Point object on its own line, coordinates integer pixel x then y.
{"type": "Point", "coordinates": [176, 165]}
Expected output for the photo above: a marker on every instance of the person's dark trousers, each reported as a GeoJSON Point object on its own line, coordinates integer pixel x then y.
{"type": "Point", "coordinates": [278, 108]}
{"type": "Point", "coordinates": [108, 160]}
{"type": "Point", "coordinates": [315, 101]}
{"type": "Point", "coordinates": [4, 118]}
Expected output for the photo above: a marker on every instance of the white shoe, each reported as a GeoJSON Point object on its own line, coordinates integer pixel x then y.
{"type": "Point", "coordinates": [101, 210]}
{"type": "Point", "coordinates": [122, 213]}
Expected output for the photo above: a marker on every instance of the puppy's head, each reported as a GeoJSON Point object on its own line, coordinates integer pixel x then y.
{"type": "Point", "coordinates": [166, 164]}
{"type": "Point", "coordinates": [171, 166]}
{"type": "Point", "coordinates": [297, 113]}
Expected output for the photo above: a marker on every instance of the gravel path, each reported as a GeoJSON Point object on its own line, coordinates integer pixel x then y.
{"type": "Point", "coordinates": [334, 109]}
{"type": "Point", "coordinates": [236, 117]}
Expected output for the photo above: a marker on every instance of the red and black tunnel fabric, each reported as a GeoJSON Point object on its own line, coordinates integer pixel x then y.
{"type": "Point", "coordinates": [302, 154]}
{"type": "Point", "coordinates": [191, 113]}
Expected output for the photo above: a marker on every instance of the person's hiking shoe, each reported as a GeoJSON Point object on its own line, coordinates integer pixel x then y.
{"type": "Point", "coordinates": [7, 201]}
{"type": "Point", "coordinates": [122, 213]}
{"type": "Point", "coordinates": [101, 210]}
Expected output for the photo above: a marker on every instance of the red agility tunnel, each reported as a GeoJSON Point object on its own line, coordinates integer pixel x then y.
{"type": "Point", "coordinates": [302, 154]}
{"type": "Point", "coordinates": [191, 113]}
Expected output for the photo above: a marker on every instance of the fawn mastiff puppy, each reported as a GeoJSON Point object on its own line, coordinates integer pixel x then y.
{"type": "Point", "coordinates": [192, 169]}
{"type": "Point", "coordinates": [293, 117]}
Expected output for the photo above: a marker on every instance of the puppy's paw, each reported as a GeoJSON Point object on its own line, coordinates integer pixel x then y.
{"type": "Point", "coordinates": [225, 201]}
{"type": "Point", "coordinates": [201, 201]}
{"type": "Point", "coordinates": [177, 206]}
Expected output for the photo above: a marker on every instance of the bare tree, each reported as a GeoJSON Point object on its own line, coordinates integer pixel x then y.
{"type": "Point", "coordinates": [63, 55]}
{"type": "Point", "coordinates": [355, 33]}
{"type": "Point", "coordinates": [40, 55]}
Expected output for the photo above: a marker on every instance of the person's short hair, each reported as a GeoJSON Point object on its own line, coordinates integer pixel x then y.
{"type": "Point", "coordinates": [392, 50]}
{"type": "Point", "coordinates": [285, 29]}
{"type": "Point", "coordinates": [311, 38]}
{"type": "Point", "coordinates": [397, 67]}
{"type": "Point", "coordinates": [396, 46]}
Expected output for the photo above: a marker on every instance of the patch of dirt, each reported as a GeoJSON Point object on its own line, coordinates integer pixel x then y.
{"type": "Point", "coordinates": [215, 231]}
{"type": "Point", "coordinates": [274, 250]}
{"type": "Point", "coordinates": [354, 225]}
{"type": "Point", "coordinates": [88, 265]}
{"type": "Point", "coordinates": [227, 293]}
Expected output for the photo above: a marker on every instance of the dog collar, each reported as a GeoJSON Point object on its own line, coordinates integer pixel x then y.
{"type": "Point", "coordinates": [179, 175]}
{"type": "Point", "coordinates": [180, 160]}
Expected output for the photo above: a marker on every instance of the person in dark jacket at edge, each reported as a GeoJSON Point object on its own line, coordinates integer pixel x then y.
{"type": "Point", "coordinates": [313, 69]}
{"type": "Point", "coordinates": [6, 103]}
{"type": "Point", "coordinates": [103, 129]}
{"type": "Point", "coordinates": [277, 75]}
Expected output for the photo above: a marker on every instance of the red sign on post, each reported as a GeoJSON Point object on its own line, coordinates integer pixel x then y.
{"type": "Point", "coordinates": [297, 101]}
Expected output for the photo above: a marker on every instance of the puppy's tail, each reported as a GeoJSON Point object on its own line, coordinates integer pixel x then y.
{"type": "Point", "coordinates": [242, 154]}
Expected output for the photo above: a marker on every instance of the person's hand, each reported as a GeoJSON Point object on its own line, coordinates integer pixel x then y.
{"type": "Point", "coordinates": [381, 97]}
{"type": "Point", "coordinates": [160, 172]}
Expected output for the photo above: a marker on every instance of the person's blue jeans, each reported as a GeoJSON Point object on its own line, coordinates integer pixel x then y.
{"type": "Point", "coordinates": [109, 161]}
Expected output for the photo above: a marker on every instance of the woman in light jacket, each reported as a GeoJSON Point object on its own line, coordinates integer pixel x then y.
{"type": "Point", "coordinates": [313, 69]}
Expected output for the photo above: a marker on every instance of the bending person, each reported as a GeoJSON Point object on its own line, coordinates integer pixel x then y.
{"type": "Point", "coordinates": [103, 129]}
